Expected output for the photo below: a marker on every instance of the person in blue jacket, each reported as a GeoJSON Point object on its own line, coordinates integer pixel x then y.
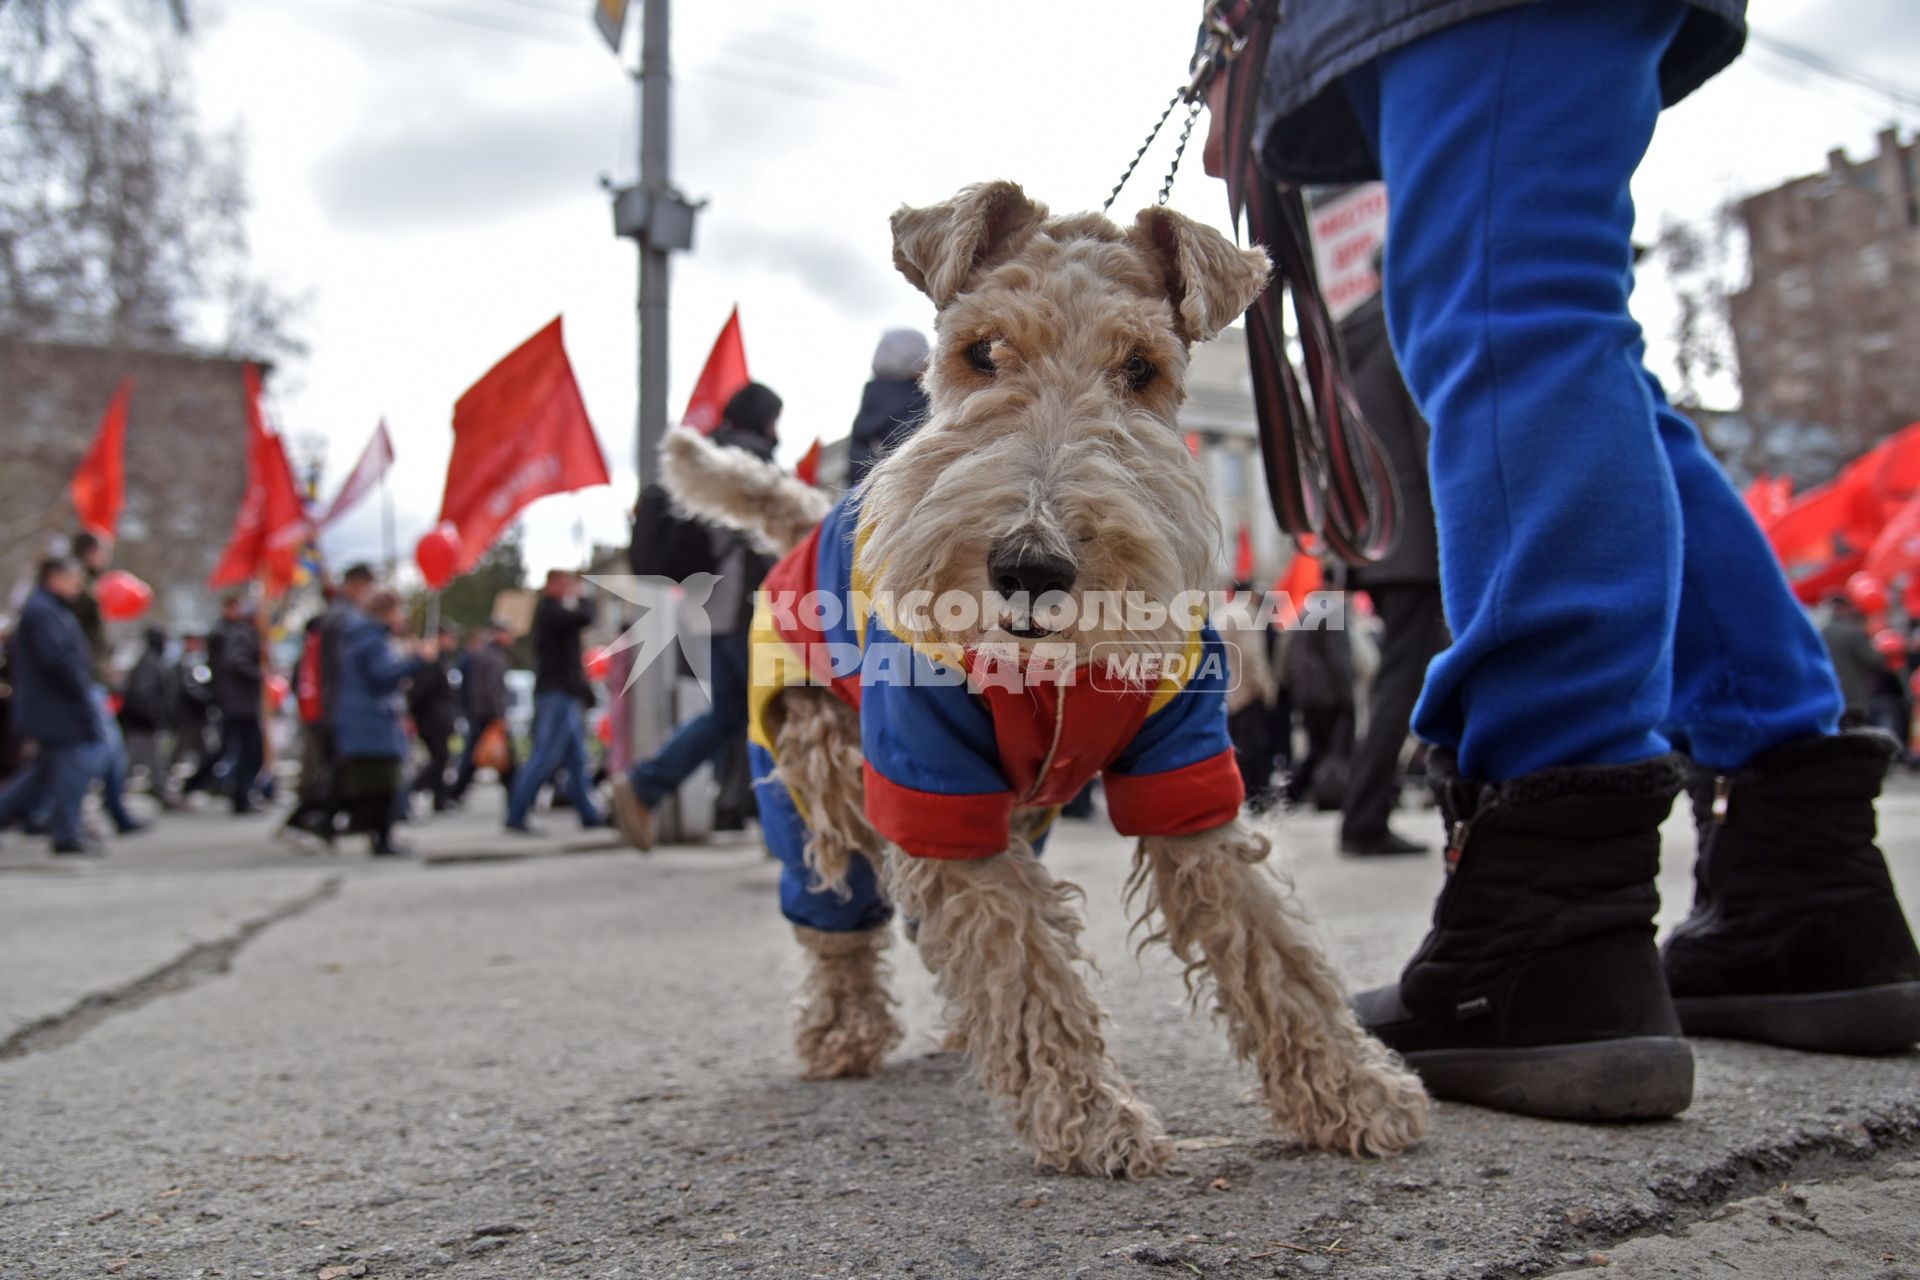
{"type": "Point", "coordinates": [369, 725]}
{"type": "Point", "coordinates": [52, 706]}
{"type": "Point", "coordinates": [1607, 592]}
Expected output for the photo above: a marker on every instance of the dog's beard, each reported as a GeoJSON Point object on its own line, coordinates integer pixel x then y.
{"type": "Point", "coordinates": [1123, 502]}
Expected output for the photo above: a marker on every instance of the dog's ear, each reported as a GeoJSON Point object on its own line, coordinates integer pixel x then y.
{"type": "Point", "coordinates": [1210, 280]}
{"type": "Point", "coordinates": [940, 246]}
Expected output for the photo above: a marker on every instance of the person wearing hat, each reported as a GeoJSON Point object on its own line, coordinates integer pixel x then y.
{"type": "Point", "coordinates": [892, 405]}
{"type": "Point", "coordinates": [483, 686]}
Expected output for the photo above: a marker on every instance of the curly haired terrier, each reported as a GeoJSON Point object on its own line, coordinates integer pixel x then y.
{"type": "Point", "coordinates": [912, 749]}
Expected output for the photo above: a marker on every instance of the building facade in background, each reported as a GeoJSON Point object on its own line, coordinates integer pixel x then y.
{"type": "Point", "coordinates": [1827, 330]}
{"type": "Point", "coordinates": [185, 461]}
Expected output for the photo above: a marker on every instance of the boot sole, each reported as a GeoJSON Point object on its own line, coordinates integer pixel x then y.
{"type": "Point", "coordinates": [1634, 1078]}
{"type": "Point", "coordinates": [1869, 1020]}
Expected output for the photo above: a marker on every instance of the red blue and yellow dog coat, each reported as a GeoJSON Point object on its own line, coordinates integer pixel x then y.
{"type": "Point", "coordinates": [954, 746]}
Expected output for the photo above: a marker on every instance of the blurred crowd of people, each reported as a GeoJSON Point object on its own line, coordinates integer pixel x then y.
{"type": "Point", "coordinates": [190, 715]}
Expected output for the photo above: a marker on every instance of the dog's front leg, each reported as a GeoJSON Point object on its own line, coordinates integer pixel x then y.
{"type": "Point", "coordinates": [1224, 917]}
{"type": "Point", "coordinates": [1001, 936]}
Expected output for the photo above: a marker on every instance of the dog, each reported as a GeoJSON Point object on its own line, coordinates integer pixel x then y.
{"type": "Point", "coordinates": [911, 757]}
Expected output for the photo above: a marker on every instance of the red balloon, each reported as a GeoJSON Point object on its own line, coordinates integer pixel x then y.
{"type": "Point", "coordinates": [122, 596]}
{"type": "Point", "coordinates": [598, 663]}
{"type": "Point", "coordinates": [277, 689]}
{"type": "Point", "coordinates": [1892, 646]}
{"type": "Point", "coordinates": [1868, 594]}
{"type": "Point", "coordinates": [436, 553]}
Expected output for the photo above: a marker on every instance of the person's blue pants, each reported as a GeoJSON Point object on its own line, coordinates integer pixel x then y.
{"type": "Point", "coordinates": [1603, 582]}
{"type": "Point", "coordinates": [57, 782]}
{"type": "Point", "coordinates": [112, 759]}
{"type": "Point", "coordinates": [559, 738]}
{"type": "Point", "coordinates": [701, 738]}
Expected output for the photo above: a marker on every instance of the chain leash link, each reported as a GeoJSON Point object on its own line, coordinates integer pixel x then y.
{"type": "Point", "coordinates": [1224, 42]}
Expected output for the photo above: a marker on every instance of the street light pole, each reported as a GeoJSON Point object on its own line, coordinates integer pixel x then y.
{"type": "Point", "coordinates": [660, 221]}
{"type": "Point", "coordinates": [656, 163]}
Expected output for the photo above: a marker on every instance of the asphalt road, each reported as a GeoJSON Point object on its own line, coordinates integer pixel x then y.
{"type": "Point", "coordinates": [218, 1058]}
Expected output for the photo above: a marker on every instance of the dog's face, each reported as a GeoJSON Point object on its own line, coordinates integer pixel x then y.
{"type": "Point", "coordinates": [1052, 481]}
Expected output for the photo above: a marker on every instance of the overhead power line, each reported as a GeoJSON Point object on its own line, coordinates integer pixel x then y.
{"type": "Point", "coordinates": [1834, 69]}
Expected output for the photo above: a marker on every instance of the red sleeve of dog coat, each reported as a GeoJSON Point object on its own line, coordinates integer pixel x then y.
{"type": "Point", "coordinates": [1203, 795]}
{"type": "Point", "coordinates": [928, 824]}
{"type": "Point", "coordinates": [1178, 776]}
{"type": "Point", "coordinates": [934, 782]}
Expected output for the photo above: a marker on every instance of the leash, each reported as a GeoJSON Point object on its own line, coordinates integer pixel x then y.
{"type": "Point", "coordinates": [1327, 473]}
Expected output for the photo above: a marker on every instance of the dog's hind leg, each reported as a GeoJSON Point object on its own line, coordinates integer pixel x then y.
{"type": "Point", "coordinates": [845, 1024]}
{"type": "Point", "coordinates": [828, 889]}
{"type": "Point", "coordinates": [1001, 936]}
{"type": "Point", "coordinates": [1224, 917]}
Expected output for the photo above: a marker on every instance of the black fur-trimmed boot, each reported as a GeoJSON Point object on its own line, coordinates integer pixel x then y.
{"type": "Point", "coordinates": [1539, 988]}
{"type": "Point", "coordinates": [1796, 936]}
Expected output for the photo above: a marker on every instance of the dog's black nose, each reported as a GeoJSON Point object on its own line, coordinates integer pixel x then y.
{"type": "Point", "coordinates": [1036, 574]}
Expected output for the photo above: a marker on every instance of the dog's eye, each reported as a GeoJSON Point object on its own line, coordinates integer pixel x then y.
{"type": "Point", "coordinates": [980, 356]}
{"type": "Point", "coordinates": [1139, 373]}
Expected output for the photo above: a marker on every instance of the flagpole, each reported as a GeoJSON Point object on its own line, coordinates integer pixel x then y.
{"type": "Point", "coordinates": [386, 525]}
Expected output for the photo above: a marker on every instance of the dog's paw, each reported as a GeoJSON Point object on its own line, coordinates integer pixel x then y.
{"type": "Point", "coordinates": [1120, 1137]}
{"type": "Point", "coordinates": [1377, 1109]}
{"type": "Point", "coordinates": [845, 1041]}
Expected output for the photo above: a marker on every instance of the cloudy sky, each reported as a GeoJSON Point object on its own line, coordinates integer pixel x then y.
{"type": "Point", "coordinates": [428, 171]}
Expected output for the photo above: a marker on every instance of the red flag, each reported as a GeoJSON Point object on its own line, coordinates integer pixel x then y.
{"type": "Point", "coordinates": [272, 521]}
{"type": "Point", "coordinates": [1303, 576]}
{"type": "Point", "coordinates": [99, 486]}
{"type": "Point", "coordinates": [726, 373]}
{"type": "Point", "coordinates": [520, 433]}
{"type": "Point", "coordinates": [807, 470]}
{"type": "Point", "coordinates": [1243, 556]}
{"type": "Point", "coordinates": [1768, 498]}
{"type": "Point", "coordinates": [1897, 549]}
{"type": "Point", "coordinates": [374, 461]}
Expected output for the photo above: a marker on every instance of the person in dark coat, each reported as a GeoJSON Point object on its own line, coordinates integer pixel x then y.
{"type": "Point", "coordinates": [751, 423]}
{"type": "Point", "coordinates": [485, 692]}
{"type": "Point", "coordinates": [369, 728]}
{"type": "Point", "coordinates": [193, 701]}
{"type": "Point", "coordinates": [150, 716]}
{"type": "Point", "coordinates": [93, 554]}
{"type": "Point", "coordinates": [892, 405]}
{"type": "Point", "coordinates": [561, 692]}
{"type": "Point", "coordinates": [1604, 583]}
{"type": "Point", "coordinates": [52, 707]}
{"type": "Point", "coordinates": [1320, 676]}
{"type": "Point", "coordinates": [433, 701]}
{"type": "Point", "coordinates": [317, 803]}
{"type": "Point", "coordinates": [1404, 586]}
{"type": "Point", "coordinates": [1856, 663]}
{"type": "Point", "coordinates": [233, 657]}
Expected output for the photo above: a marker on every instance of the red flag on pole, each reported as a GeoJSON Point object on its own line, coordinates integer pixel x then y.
{"type": "Point", "coordinates": [807, 470]}
{"type": "Point", "coordinates": [366, 473]}
{"type": "Point", "coordinates": [520, 433]}
{"type": "Point", "coordinates": [272, 521]}
{"type": "Point", "coordinates": [725, 373]}
{"type": "Point", "coordinates": [1897, 549]}
{"type": "Point", "coordinates": [99, 486]}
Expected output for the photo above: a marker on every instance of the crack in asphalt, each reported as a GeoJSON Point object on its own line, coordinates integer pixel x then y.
{"type": "Point", "coordinates": [197, 963]}
{"type": "Point", "coordinates": [1849, 1149]}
